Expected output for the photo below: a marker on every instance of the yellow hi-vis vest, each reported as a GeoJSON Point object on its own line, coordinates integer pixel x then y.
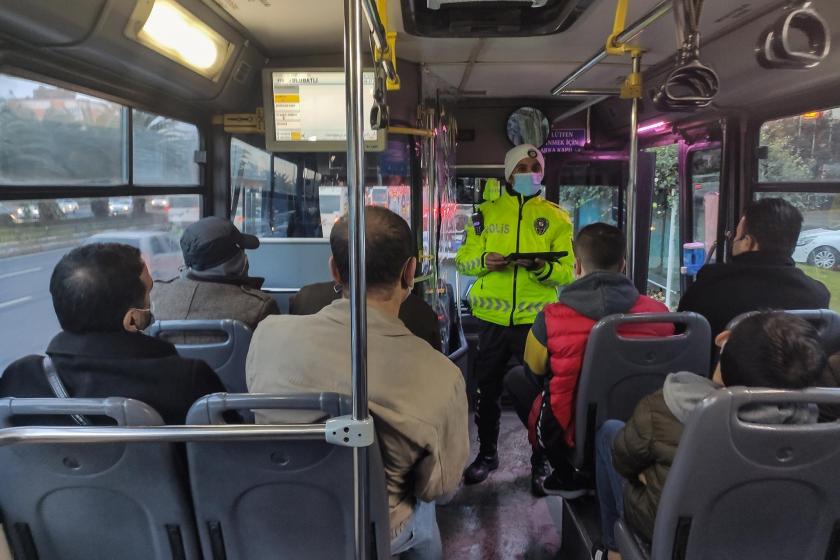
{"type": "Point", "coordinates": [515, 224]}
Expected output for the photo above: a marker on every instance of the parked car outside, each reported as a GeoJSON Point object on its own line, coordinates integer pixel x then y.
{"type": "Point", "coordinates": [819, 247]}
{"type": "Point", "coordinates": [120, 206]}
{"type": "Point", "coordinates": [67, 206]}
{"type": "Point", "coordinates": [162, 253]}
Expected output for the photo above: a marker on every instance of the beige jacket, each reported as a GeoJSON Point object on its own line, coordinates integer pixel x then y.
{"type": "Point", "coordinates": [417, 396]}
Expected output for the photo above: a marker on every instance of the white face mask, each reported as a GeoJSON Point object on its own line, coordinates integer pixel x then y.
{"type": "Point", "coordinates": [527, 184]}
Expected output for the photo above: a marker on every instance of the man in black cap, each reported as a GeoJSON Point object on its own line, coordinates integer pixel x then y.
{"type": "Point", "coordinates": [214, 284]}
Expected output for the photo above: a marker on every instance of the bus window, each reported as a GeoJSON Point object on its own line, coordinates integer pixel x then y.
{"type": "Point", "coordinates": [801, 148]}
{"type": "Point", "coordinates": [164, 150]}
{"type": "Point", "coordinates": [704, 178]}
{"type": "Point", "coordinates": [54, 136]}
{"type": "Point", "coordinates": [664, 259]}
{"type": "Point", "coordinates": [35, 234]}
{"type": "Point", "coordinates": [250, 182]}
{"type": "Point", "coordinates": [588, 204]}
{"type": "Point", "coordinates": [818, 249]}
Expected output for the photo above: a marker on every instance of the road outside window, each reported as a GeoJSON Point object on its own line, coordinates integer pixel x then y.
{"type": "Point", "coordinates": [35, 234]}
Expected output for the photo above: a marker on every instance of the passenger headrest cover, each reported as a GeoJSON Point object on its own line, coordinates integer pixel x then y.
{"type": "Point", "coordinates": [212, 241]}
{"type": "Point", "coordinates": [520, 152]}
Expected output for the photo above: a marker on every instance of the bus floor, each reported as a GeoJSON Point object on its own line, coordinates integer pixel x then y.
{"type": "Point", "coordinates": [499, 519]}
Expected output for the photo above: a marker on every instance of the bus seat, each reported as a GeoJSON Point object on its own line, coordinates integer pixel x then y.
{"type": "Point", "coordinates": [826, 321]}
{"type": "Point", "coordinates": [280, 499]}
{"type": "Point", "coordinates": [87, 501]}
{"type": "Point", "coordinates": [619, 371]}
{"type": "Point", "coordinates": [226, 358]}
{"type": "Point", "coordinates": [748, 491]}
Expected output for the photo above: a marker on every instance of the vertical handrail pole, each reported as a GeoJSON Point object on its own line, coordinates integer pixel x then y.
{"type": "Point", "coordinates": [358, 299]}
{"type": "Point", "coordinates": [632, 177]}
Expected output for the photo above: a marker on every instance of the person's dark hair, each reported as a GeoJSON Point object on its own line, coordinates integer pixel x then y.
{"type": "Point", "coordinates": [600, 246]}
{"type": "Point", "coordinates": [774, 223]}
{"type": "Point", "coordinates": [94, 285]}
{"type": "Point", "coordinates": [388, 246]}
{"type": "Point", "coordinates": [773, 349]}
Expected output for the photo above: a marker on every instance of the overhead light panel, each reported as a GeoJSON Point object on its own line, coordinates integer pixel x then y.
{"type": "Point", "coordinates": [169, 29]}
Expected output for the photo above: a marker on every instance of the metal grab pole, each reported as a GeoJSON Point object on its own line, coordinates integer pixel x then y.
{"type": "Point", "coordinates": [631, 180]}
{"type": "Point", "coordinates": [358, 299]}
{"type": "Point", "coordinates": [631, 32]}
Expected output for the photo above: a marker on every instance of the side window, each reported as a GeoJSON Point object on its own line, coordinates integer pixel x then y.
{"type": "Point", "coordinates": [704, 177]}
{"type": "Point", "coordinates": [54, 136]}
{"type": "Point", "coordinates": [164, 150]}
{"type": "Point", "coordinates": [804, 147]}
{"type": "Point", "coordinates": [664, 259]}
{"type": "Point", "coordinates": [303, 195]}
{"type": "Point", "coordinates": [588, 204]}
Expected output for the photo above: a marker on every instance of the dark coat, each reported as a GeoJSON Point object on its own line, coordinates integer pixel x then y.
{"type": "Point", "coordinates": [647, 445]}
{"type": "Point", "coordinates": [188, 297]}
{"type": "Point", "coordinates": [415, 313]}
{"type": "Point", "coordinates": [119, 364]}
{"type": "Point", "coordinates": [751, 282]}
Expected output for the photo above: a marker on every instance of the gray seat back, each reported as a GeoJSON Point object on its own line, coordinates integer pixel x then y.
{"type": "Point", "coordinates": [226, 358]}
{"type": "Point", "coordinates": [281, 499]}
{"type": "Point", "coordinates": [826, 321]}
{"type": "Point", "coordinates": [94, 501]}
{"type": "Point", "coordinates": [745, 491]}
{"type": "Point", "coordinates": [618, 371]}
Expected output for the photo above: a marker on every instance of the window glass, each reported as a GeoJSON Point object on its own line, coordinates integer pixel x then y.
{"type": "Point", "coordinates": [164, 150]}
{"type": "Point", "coordinates": [664, 259]}
{"type": "Point", "coordinates": [53, 136]}
{"type": "Point", "coordinates": [704, 169]}
{"type": "Point", "coordinates": [805, 147]}
{"type": "Point", "coordinates": [250, 182]}
{"type": "Point", "coordinates": [588, 204]}
{"type": "Point", "coordinates": [303, 195]}
{"type": "Point", "coordinates": [818, 249]}
{"type": "Point", "coordinates": [35, 234]}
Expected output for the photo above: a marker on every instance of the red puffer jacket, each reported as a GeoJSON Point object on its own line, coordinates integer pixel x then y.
{"type": "Point", "coordinates": [567, 332]}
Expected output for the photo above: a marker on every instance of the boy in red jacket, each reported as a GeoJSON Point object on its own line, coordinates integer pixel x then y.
{"type": "Point", "coordinates": [556, 344]}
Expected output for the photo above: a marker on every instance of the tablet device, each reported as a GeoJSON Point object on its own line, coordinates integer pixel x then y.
{"type": "Point", "coordinates": [546, 256]}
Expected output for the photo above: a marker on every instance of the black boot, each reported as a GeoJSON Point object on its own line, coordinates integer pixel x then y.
{"type": "Point", "coordinates": [539, 471]}
{"type": "Point", "coordinates": [480, 469]}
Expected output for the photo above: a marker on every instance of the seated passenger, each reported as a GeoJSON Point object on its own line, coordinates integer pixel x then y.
{"type": "Point", "coordinates": [416, 394]}
{"type": "Point", "coordinates": [100, 293]}
{"type": "Point", "coordinates": [555, 348]}
{"type": "Point", "coordinates": [417, 315]}
{"type": "Point", "coordinates": [215, 282]}
{"type": "Point", "coordinates": [761, 275]}
{"type": "Point", "coordinates": [771, 350]}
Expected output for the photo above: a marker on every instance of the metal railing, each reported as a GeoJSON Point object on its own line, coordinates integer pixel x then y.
{"type": "Point", "coordinates": [631, 32]}
{"type": "Point", "coordinates": [161, 434]}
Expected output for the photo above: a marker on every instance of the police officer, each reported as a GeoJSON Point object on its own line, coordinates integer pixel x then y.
{"type": "Point", "coordinates": [509, 292]}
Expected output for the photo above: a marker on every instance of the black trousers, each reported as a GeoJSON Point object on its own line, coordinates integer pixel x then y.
{"type": "Point", "coordinates": [496, 345]}
{"type": "Point", "coordinates": [524, 387]}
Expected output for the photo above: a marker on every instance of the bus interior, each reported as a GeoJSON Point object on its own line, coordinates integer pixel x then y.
{"type": "Point", "coordinates": [106, 133]}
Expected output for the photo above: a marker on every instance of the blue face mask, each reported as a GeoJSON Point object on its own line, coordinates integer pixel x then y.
{"type": "Point", "coordinates": [527, 184]}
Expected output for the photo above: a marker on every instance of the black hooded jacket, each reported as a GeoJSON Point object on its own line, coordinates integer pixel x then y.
{"type": "Point", "coordinates": [753, 281]}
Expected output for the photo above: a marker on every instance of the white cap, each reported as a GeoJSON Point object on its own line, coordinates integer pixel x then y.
{"type": "Point", "coordinates": [520, 152]}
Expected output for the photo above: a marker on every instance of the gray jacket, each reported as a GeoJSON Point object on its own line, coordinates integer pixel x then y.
{"type": "Point", "coordinates": [187, 297]}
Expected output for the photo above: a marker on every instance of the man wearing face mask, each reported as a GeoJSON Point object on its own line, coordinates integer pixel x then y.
{"type": "Point", "coordinates": [509, 291]}
{"type": "Point", "coordinates": [100, 293]}
{"type": "Point", "coordinates": [215, 282]}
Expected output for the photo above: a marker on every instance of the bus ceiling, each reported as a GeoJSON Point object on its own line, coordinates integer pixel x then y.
{"type": "Point", "coordinates": [101, 45]}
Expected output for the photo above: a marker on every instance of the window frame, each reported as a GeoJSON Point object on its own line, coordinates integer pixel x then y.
{"type": "Point", "coordinates": [128, 188]}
